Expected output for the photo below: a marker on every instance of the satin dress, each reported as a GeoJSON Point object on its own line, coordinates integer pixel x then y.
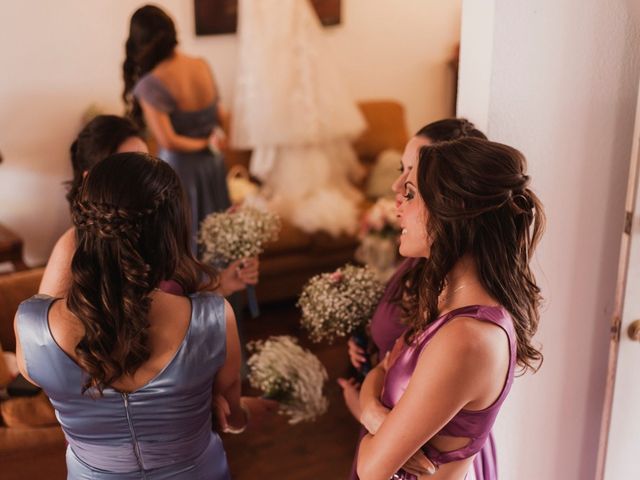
{"type": "Point", "coordinates": [160, 431]}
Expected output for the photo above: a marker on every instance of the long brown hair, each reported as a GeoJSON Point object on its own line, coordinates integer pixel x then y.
{"type": "Point", "coordinates": [132, 229]}
{"type": "Point", "coordinates": [443, 130]}
{"type": "Point", "coordinates": [479, 202]}
{"type": "Point", "coordinates": [98, 139]}
{"type": "Point", "coordinates": [152, 39]}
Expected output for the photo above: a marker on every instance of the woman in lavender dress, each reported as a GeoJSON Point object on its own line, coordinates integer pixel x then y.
{"type": "Point", "coordinates": [386, 326]}
{"type": "Point", "coordinates": [129, 368]}
{"type": "Point", "coordinates": [472, 311]}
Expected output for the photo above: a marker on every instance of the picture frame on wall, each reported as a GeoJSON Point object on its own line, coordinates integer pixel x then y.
{"type": "Point", "coordinates": [220, 17]}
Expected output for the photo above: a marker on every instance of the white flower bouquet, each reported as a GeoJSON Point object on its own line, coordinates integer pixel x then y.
{"type": "Point", "coordinates": [339, 303]}
{"type": "Point", "coordinates": [236, 234]}
{"type": "Point", "coordinates": [286, 372]}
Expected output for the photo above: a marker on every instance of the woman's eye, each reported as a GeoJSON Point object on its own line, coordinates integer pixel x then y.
{"type": "Point", "coordinates": [401, 168]}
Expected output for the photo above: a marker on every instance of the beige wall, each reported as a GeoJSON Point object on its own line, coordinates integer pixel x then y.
{"type": "Point", "coordinates": [560, 84]}
{"type": "Point", "coordinates": [60, 57]}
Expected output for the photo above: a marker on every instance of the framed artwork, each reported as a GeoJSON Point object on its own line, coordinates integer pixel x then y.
{"type": "Point", "coordinates": [219, 17]}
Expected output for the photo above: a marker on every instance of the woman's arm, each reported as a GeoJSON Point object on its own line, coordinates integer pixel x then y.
{"type": "Point", "coordinates": [452, 371]}
{"type": "Point", "coordinates": [160, 125]}
{"type": "Point", "coordinates": [372, 412]}
{"type": "Point", "coordinates": [227, 382]}
{"type": "Point", "coordinates": [56, 278]}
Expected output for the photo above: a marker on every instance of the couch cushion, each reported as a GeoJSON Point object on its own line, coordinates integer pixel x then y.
{"type": "Point", "coordinates": [25, 412]}
{"type": "Point", "coordinates": [14, 288]}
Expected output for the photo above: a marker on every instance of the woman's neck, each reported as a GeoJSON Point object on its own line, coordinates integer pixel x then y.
{"type": "Point", "coordinates": [462, 285]}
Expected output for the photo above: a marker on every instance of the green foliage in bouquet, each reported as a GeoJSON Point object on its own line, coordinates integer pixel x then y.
{"type": "Point", "coordinates": [336, 304]}
{"type": "Point", "coordinates": [285, 372]}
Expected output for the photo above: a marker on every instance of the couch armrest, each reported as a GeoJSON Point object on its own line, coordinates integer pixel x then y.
{"type": "Point", "coordinates": [15, 288]}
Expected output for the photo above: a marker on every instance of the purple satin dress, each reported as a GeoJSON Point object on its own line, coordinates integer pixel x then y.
{"type": "Point", "coordinates": [472, 424]}
{"type": "Point", "coordinates": [386, 328]}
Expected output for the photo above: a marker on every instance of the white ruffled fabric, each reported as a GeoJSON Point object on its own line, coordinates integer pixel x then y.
{"type": "Point", "coordinates": [294, 111]}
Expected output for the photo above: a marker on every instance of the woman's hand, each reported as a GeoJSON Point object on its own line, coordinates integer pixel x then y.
{"type": "Point", "coordinates": [419, 464]}
{"type": "Point", "coordinates": [356, 353]}
{"type": "Point", "coordinates": [257, 411]}
{"type": "Point", "coordinates": [351, 393]}
{"type": "Point", "coordinates": [238, 275]}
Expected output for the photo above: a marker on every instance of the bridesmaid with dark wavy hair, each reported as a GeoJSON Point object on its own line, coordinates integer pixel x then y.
{"type": "Point", "coordinates": [130, 369]}
{"type": "Point", "coordinates": [175, 96]}
{"type": "Point", "coordinates": [472, 312]}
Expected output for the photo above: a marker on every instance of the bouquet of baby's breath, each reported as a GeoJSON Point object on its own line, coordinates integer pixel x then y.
{"type": "Point", "coordinates": [237, 234]}
{"type": "Point", "coordinates": [286, 372]}
{"type": "Point", "coordinates": [339, 303]}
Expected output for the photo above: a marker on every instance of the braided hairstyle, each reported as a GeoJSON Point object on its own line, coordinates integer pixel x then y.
{"type": "Point", "coordinates": [132, 230]}
{"type": "Point", "coordinates": [443, 130]}
{"type": "Point", "coordinates": [479, 202]}
{"type": "Point", "coordinates": [97, 140]}
{"type": "Point", "coordinates": [152, 39]}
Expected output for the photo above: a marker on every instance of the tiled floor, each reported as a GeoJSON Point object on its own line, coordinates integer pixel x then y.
{"type": "Point", "coordinates": [320, 450]}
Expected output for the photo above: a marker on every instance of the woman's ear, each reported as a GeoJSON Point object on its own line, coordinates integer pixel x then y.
{"type": "Point", "coordinates": [84, 174]}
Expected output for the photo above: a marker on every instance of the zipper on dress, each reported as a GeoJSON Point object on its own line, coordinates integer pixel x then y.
{"type": "Point", "coordinates": [136, 447]}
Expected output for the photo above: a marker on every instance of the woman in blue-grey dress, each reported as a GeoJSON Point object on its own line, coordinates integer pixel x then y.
{"type": "Point", "coordinates": [129, 368]}
{"type": "Point", "coordinates": [175, 96]}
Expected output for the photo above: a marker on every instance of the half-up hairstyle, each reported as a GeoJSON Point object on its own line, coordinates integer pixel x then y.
{"type": "Point", "coordinates": [96, 141]}
{"type": "Point", "coordinates": [443, 130]}
{"type": "Point", "coordinates": [479, 202]}
{"type": "Point", "coordinates": [152, 39]}
{"type": "Point", "coordinates": [131, 220]}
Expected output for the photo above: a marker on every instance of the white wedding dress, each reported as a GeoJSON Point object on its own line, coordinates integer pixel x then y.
{"type": "Point", "coordinates": [294, 111]}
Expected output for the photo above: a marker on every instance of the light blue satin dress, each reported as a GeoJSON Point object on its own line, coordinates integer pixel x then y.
{"type": "Point", "coordinates": [160, 431]}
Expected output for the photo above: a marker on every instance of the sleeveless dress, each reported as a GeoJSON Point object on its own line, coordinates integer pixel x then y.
{"type": "Point", "coordinates": [386, 328]}
{"type": "Point", "coordinates": [473, 424]}
{"type": "Point", "coordinates": [160, 431]}
{"type": "Point", "coordinates": [202, 173]}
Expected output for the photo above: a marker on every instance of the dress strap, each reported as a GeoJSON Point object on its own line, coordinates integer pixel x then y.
{"type": "Point", "coordinates": [150, 89]}
{"type": "Point", "coordinates": [208, 331]}
{"type": "Point", "coordinates": [41, 354]}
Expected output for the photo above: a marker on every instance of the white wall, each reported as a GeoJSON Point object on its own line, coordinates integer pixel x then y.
{"type": "Point", "coordinates": [563, 87]}
{"type": "Point", "coordinates": [60, 57]}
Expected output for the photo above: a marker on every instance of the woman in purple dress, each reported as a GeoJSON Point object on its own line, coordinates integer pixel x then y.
{"type": "Point", "coordinates": [386, 326]}
{"type": "Point", "coordinates": [471, 311]}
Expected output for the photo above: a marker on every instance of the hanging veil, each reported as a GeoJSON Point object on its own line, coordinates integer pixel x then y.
{"type": "Point", "coordinates": [293, 110]}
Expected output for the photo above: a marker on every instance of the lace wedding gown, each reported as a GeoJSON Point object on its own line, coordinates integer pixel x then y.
{"type": "Point", "coordinates": [294, 111]}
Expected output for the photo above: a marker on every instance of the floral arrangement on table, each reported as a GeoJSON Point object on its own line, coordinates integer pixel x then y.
{"type": "Point", "coordinates": [235, 234]}
{"type": "Point", "coordinates": [379, 231]}
{"type": "Point", "coordinates": [339, 303]}
{"type": "Point", "coordinates": [286, 372]}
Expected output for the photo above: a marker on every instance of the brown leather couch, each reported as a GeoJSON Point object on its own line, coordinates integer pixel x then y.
{"type": "Point", "coordinates": [296, 256]}
{"type": "Point", "coordinates": [26, 453]}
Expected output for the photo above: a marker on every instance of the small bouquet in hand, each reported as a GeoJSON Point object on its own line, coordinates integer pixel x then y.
{"type": "Point", "coordinates": [379, 232]}
{"type": "Point", "coordinates": [286, 372]}
{"type": "Point", "coordinates": [237, 234]}
{"type": "Point", "coordinates": [339, 303]}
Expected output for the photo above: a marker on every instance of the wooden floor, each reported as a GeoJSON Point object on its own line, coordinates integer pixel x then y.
{"type": "Point", "coordinates": [320, 450]}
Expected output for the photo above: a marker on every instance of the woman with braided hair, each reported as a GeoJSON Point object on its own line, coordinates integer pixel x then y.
{"type": "Point", "coordinates": [129, 368]}
{"type": "Point", "coordinates": [101, 137]}
{"type": "Point", "coordinates": [471, 311]}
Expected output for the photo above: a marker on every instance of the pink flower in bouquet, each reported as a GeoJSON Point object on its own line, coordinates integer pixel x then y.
{"type": "Point", "coordinates": [336, 276]}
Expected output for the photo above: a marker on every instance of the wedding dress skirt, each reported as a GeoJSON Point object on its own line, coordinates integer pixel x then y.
{"type": "Point", "coordinates": [293, 110]}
